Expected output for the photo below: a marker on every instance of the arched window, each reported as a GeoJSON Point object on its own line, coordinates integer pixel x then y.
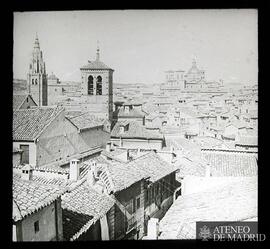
{"type": "Point", "coordinates": [90, 85]}
{"type": "Point", "coordinates": [32, 81]}
{"type": "Point", "coordinates": [36, 81]}
{"type": "Point", "coordinates": [99, 85]}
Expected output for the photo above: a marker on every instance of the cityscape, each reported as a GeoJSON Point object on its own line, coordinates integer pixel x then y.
{"type": "Point", "coordinates": [99, 159]}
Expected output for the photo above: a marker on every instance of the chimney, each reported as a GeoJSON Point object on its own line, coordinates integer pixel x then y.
{"type": "Point", "coordinates": [27, 172]}
{"type": "Point", "coordinates": [91, 178]}
{"type": "Point", "coordinates": [126, 109]}
{"type": "Point", "coordinates": [74, 170]}
{"type": "Point", "coordinates": [172, 157]}
{"type": "Point", "coordinates": [153, 229]}
{"type": "Point", "coordinates": [124, 156]}
{"type": "Point", "coordinates": [108, 146]}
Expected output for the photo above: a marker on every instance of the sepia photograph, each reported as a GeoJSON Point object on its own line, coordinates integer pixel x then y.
{"type": "Point", "coordinates": [135, 125]}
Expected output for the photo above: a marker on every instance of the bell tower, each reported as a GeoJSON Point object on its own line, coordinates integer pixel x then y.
{"type": "Point", "coordinates": [37, 77]}
{"type": "Point", "coordinates": [97, 86]}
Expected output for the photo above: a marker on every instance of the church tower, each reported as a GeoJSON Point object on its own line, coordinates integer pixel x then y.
{"type": "Point", "coordinates": [37, 77]}
{"type": "Point", "coordinates": [97, 86]}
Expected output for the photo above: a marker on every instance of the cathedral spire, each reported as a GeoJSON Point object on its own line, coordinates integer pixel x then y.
{"type": "Point", "coordinates": [97, 57]}
{"type": "Point", "coordinates": [36, 45]}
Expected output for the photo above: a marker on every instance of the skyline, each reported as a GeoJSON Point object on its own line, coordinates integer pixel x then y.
{"type": "Point", "coordinates": [141, 44]}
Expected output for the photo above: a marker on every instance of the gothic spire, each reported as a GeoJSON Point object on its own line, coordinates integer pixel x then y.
{"type": "Point", "coordinates": [36, 45]}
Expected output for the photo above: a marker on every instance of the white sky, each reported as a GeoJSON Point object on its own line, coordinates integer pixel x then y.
{"type": "Point", "coordinates": [141, 44]}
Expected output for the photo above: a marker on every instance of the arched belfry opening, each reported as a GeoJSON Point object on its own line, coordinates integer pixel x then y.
{"type": "Point", "coordinates": [99, 85]}
{"type": "Point", "coordinates": [90, 85]}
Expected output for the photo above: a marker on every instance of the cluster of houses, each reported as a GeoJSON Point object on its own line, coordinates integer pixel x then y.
{"type": "Point", "coordinates": [75, 179]}
{"type": "Point", "coordinates": [71, 183]}
{"type": "Point", "coordinates": [141, 169]}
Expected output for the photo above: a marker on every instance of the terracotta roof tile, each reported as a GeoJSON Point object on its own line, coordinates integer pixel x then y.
{"type": "Point", "coordinates": [74, 222]}
{"type": "Point", "coordinates": [94, 65]}
{"type": "Point", "coordinates": [29, 123]}
{"type": "Point", "coordinates": [235, 200]}
{"type": "Point", "coordinates": [153, 166]}
{"type": "Point", "coordinates": [231, 163]}
{"type": "Point", "coordinates": [83, 205]}
{"type": "Point", "coordinates": [121, 113]}
{"type": "Point", "coordinates": [122, 175]}
{"type": "Point", "coordinates": [135, 130]}
{"type": "Point", "coordinates": [30, 196]}
{"type": "Point", "coordinates": [18, 100]}
{"type": "Point", "coordinates": [86, 120]}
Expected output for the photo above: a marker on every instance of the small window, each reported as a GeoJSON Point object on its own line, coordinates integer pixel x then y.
{"type": "Point", "coordinates": [27, 99]}
{"type": "Point", "coordinates": [146, 195]}
{"type": "Point", "coordinates": [138, 203]}
{"type": "Point", "coordinates": [36, 226]}
{"type": "Point", "coordinates": [134, 205]}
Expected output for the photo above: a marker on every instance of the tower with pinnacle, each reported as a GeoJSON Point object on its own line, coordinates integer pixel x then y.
{"type": "Point", "coordinates": [37, 77]}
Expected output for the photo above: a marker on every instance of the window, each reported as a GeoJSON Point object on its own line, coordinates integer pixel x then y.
{"type": "Point", "coordinates": [90, 85]}
{"type": "Point", "coordinates": [36, 226]}
{"type": "Point", "coordinates": [134, 205]}
{"type": "Point", "coordinates": [25, 154]}
{"type": "Point", "coordinates": [129, 206]}
{"type": "Point", "coordinates": [36, 81]}
{"type": "Point", "coordinates": [146, 195]}
{"type": "Point", "coordinates": [32, 81]}
{"type": "Point", "coordinates": [27, 99]}
{"type": "Point", "coordinates": [99, 85]}
{"type": "Point", "coordinates": [138, 203]}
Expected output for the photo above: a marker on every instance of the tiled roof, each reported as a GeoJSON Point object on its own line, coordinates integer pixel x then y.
{"type": "Point", "coordinates": [75, 223]}
{"type": "Point", "coordinates": [235, 200]}
{"type": "Point", "coordinates": [183, 144]}
{"type": "Point", "coordinates": [83, 201]}
{"type": "Point", "coordinates": [190, 167]}
{"type": "Point", "coordinates": [18, 99]}
{"type": "Point", "coordinates": [57, 165]}
{"type": "Point", "coordinates": [56, 181]}
{"type": "Point", "coordinates": [135, 130]}
{"type": "Point", "coordinates": [209, 142]}
{"type": "Point", "coordinates": [85, 121]}
{"type": "Point", "coordinates": [152, 165]}
{"type": "Point", "coordinates": [121, 113]}
{"type": "Point", "coordinates": [231, 163]}
{"type": "Point", "coordinates": [30, 196]}
{"type": "Point", "coordinates": [95, 65]}
{"type": "Point", "coordinates": [121, 175]}
{"type": "Point", "coordinates": [247, 141]}
{"type": "Point", "coordinates": [29, 123]}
